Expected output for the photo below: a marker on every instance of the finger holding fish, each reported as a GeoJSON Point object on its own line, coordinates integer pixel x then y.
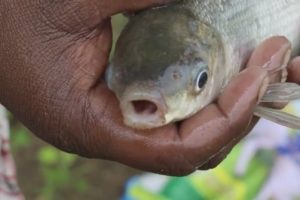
{"type": "Point", "coordinates": [278, 95]}
{"type": "Point", "coordinates": [291, 89]}
{"type": "Point", "coordinates": [274, 57]}
{"type": "Point", "coordinates": [206, 138]}
{"type": "Point", "coordinates": [263, 54]}
{"type": "Point", "coordinates": [279, 92]}
{"type": "Point", "coordinates": [166, 70]}
{"type": "Point", "coordinates": [214, 127]}
{"type": "Point", "coordinates": [198, 139]}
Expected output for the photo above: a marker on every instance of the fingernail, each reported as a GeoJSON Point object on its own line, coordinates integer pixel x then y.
{"type": "Point", "coordinates": [280, 59]}
{"type": "Point", "coordinates": [263, 88]}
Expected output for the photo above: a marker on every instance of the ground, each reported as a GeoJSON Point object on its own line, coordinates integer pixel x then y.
{"type": "Point", "coordinates": [62, 176]}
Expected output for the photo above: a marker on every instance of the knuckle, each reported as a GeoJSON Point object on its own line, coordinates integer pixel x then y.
{"type": "Point", "coordinates": [177, 169]}
{"type": "Point", "coordinates": [82, 124]}
{"type": "Point", "coordinates": [213, 163]}
{"type": "Point", "coordinates": [71, 120]}
{"type": "Point", "coordinates": [181, 164]}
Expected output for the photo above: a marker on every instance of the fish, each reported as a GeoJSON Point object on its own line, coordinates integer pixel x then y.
{"type": "Point", "coordinates": [172, 61]}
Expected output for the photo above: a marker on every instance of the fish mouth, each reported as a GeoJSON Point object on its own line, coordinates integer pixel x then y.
{"type": "Point", "coordinates": [144, 110]}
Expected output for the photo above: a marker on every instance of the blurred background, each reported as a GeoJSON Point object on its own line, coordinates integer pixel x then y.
{"type": "Point", "coordinates": [46, 173]}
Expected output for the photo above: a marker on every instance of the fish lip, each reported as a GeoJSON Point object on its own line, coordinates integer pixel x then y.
{"type": "Point", "coordinates": [144, 125]}
{"type": "Point", "coordinates": [144, 121]}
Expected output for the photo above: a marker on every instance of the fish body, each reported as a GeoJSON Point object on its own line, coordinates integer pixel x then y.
{"type": "Point", "coordinates": [172, 61]}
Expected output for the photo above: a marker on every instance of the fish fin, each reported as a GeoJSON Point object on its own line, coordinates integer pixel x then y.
{"type": "Point", "coordinates": [278, 117]}
{"type": "Point", "coordinates": [281, 93]}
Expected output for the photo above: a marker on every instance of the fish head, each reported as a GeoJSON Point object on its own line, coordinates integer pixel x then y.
{"type": "Point", "coordinates": [163, 69]}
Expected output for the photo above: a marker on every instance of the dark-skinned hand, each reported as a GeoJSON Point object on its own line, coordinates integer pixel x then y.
{"type": "Point", "coordinates": [53, 55]}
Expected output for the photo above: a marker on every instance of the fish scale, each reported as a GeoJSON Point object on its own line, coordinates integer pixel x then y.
{"type": "Point", "coordinates": [261, 18]}
{"type": "Point", "coordinates": [244, 24]}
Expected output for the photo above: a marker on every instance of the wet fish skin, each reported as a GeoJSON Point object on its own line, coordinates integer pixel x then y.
{"type": "Point", "coordinates": [162, 51]}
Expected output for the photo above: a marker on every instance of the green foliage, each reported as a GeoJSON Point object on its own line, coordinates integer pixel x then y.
{"type": "Point", "coordinates": [20, 137]}
{"type": "Point", "coordinates": [81, 186]}
{"type": "Point", "coordinates": [118, 23]}
{"type": "Point", "coordinates": [55, 167]}
{"type": "Point", "coordinates": [48, 156]}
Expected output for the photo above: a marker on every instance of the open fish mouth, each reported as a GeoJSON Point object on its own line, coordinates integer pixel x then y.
{"type": "Point", "coordinates": [143, 110]}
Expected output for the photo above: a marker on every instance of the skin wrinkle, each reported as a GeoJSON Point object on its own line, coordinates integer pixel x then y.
{"type": "Point", "coordinates": [49, 48]}
{"type": "Point", "coordinates": [63, 15]}
{"type": "Point", "coordinates": [86, 120]}
{"type": "Point", "coordinates": [246, 93]}
{"type": "Point", "coordinates": [235, 111]}
{"type": "Point", "coordinates": [217, 125]}
{"type": "Point", "coordinates": [48, 23]}
{"type": "Point", "coordinates": [103, 118]}
{"type": "Point", "coordinates": [209, 122]}
{"type": "Point", "coordinates": [216, 159]}
{"type": "Point", "coordinates": [78, 60]}
{"type": "Point", "coordinates": [166, 168]}
{"type": "Point", "coordinates": [85, 59]}
{"type": "Point", "coordinates": [64, 89]}
{"type": "Point", "coordinates": [182, 150]}
{"type": "Point", "coordinates": [61, 137]}
{"type": "Point", "coordinates": [67, 86]}
{"type": "Point", "coordinates": [189, 165]}
{"type": "Point", "coordinates": [205, 133]}
{"type": "Point", "coordinates": [181, 160]}
{"type": "Point", "coordinates": [82, 128]}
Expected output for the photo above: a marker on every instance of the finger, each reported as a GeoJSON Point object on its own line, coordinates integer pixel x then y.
{"type": "Point", "coordinates": [267, 51]}
{"type": "Point", "coordinates": [294, 71]}
{"type": "Point", "coordinates": [226, 122]}
{"type": "Point", "coordinates": [278, 50]}
{"type": "Point", "coordinates": [216, 160]}
{"type": "Point", "coordinates": [219, 157]}
{"type": "Point", "coordinates": [269, 48]}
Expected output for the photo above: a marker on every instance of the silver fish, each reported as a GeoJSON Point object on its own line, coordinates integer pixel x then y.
{"type": "Point", "coordinates": [172, 61]}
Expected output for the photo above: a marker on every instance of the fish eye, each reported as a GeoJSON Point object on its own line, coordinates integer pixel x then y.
{"type": "Point", "coordinates": [201, 80]}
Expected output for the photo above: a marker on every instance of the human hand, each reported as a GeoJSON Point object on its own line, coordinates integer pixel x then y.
{"type": "Point", "coordinates": [53, 55]}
